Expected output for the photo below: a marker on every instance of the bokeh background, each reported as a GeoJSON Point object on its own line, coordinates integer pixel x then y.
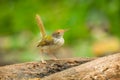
{"type": "Point", "coordinates": [94, 27]}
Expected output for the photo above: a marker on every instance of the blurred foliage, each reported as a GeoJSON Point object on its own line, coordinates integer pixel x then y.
{"type": "Point", "coordinates": [19, 15]}
{"type": "Point", "coordinates": [17, 20]}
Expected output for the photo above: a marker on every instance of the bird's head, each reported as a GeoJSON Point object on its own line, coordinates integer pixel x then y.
{"type": "Point", "coordinates": [59, 33]}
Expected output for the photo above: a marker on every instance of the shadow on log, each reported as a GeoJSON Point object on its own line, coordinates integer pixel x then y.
{"type": "Point", "coordinates": [104, 68]}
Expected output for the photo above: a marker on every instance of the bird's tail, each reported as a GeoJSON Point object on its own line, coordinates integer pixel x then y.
{"type": "Point", "coordinates": [40, 25]}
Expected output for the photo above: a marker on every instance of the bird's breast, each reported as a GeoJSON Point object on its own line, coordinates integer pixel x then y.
{"type": "Point", "coordinates": [58, 42]}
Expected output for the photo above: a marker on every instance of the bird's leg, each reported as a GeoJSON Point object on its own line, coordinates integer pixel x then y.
{"type": "Point", "coordinates": [53, 57]}
{"type": "Point", "coordinates": [42, 60]}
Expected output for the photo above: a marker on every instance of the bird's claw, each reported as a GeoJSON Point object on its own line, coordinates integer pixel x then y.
{"type": "Point", "coordinates": [54, 59]}
{"type": "Point", "coordinates": [44, 62]}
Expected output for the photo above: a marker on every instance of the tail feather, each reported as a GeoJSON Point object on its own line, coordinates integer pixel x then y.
{"type": "Point", "coordinates": [40, 25]}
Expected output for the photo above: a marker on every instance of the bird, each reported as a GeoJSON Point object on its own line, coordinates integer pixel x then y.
{"type": "Point", "coordinates": [49, 43]}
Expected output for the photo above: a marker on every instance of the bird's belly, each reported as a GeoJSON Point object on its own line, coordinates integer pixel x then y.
{"type": "Point", "coordinates": [51, 48]}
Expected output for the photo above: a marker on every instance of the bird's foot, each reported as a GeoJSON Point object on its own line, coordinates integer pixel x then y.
{"type": "Point", "coordinates": [54, 59]}
{"type": "Point", "coordinates": [43, 61]}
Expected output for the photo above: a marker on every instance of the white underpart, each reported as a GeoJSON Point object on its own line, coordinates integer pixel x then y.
{"type": "Point", "coordinates": [58, 42]}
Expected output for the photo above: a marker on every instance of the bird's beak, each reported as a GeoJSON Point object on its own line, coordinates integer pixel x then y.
{"type": "Point", "coordinates": [66, 30]}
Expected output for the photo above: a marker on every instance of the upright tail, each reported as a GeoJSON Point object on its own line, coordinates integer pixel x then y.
{"type": "Point", "coordinates": [40, 25]}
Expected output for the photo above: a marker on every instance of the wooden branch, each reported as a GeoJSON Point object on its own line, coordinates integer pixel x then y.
{"type": "Point", "coordinates": [105, 68]}
{"type": "Point", "coordinates": [37, 70]}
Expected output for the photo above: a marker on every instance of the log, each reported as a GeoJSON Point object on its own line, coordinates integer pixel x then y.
{"type": "Point", "coordinates": [37, 70]}
{"type": "Point", "coordinates": [103, 68]}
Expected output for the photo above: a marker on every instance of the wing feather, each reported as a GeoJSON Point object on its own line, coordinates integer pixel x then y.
{"type": "Point", "coordinates": [46, 41]}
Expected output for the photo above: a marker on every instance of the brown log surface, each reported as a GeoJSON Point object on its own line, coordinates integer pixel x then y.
{"type": "Point", "coordinates": [37, 70]}
{"type": "Point", "coordinates": [104, 68]}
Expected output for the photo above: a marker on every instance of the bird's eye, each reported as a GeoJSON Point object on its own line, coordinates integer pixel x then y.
{"type": "Point", "coordinates": [58, 32]}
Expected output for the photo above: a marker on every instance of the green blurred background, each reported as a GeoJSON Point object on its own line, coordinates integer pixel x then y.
{"type": "Point", "coordinates": [19, 32]}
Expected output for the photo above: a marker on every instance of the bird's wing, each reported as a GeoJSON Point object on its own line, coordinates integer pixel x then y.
{"type": "Point", "coordinates": [41, 26]}
{"type": "Point", "coordinates": [47, 40]}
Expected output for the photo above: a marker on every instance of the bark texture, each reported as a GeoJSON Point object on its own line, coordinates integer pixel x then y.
{"type": "Point", "coordinates": [37, 70]}
{"type": "Point", "coordinates": [104, 68]}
